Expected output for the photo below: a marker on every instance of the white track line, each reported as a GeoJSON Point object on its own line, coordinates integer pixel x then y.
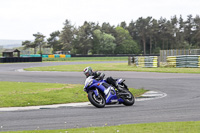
{"type": "Point", "coordinates": [150, 95]}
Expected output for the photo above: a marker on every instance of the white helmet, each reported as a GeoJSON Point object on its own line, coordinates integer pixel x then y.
{"type": "Point", "coordinates": [88, 71]}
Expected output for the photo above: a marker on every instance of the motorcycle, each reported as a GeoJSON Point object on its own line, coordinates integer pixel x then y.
{"type": "Point", "coordinates": [100, 93]}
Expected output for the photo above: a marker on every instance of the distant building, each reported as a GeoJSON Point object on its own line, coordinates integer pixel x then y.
{"type": "Point", "coordinates": [11, 53]}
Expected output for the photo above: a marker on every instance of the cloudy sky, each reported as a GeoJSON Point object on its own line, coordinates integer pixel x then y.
{"type": "Point", "coordinates": [19, 19]}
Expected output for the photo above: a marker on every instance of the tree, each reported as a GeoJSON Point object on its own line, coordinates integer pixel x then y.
{"type": "Point", "coordinates": [145, 34]}
{"type": "Point", "coordinates": [123, 25]}
{"type": "Point", "coordinates": [27, 44]}
{"type": "Point", "coordinates": [153, 34]}
{"type": "Point", "coordinates": [142, 27]}
{"type": "Point", "coordinates": [107, 28]}
{"type": "Point", "coordinates": [67, 36]}
{"type": "Point", "coordinates": [38, 42]}
{"type": "Point", "coordinates": [180, 34]}
{"type": "Point", "coordinates": [105, 42]}
{"type": "Point", "coordinates": [188, 29]}
{"type": "Point", "coordinates": [169, 34]}
{"type": "Point", "coordinates": [162, 31]}
{"type": "Point", "coordinates": [85, 42]}
{"type": "Point", "coordinates": [132, 30]}
{"type": "Point", "coordinates": [54, 42]}
{"type": "Point", "coordinates": [174, 24]}
{"type": "Point", "coordinates": [124, 42]}
{"type": "Point", "coordinates": [196, 36]}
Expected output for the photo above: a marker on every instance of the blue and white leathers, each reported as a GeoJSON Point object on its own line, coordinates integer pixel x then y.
{"type": "Point", "coordinates": [104, 88]}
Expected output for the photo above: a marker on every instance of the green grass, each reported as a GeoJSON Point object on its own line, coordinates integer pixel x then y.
{"type": "Point", "coordinates": [87, 59]}
{"type": "Point", "coordinates": [162, 127]}
{"type": "Point", "coordinates": [19, 94]}
{"type": "Point", "coordinates": [114, 67]}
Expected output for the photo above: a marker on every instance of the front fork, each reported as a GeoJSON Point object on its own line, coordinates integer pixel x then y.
{"type": "Point", "coordinates": [96, 92]}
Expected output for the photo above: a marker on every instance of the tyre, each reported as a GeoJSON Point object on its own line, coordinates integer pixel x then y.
{"type": "Point", "coordinates": [97, 101]}
{"type": "Point", "coordinates": [129, 100]}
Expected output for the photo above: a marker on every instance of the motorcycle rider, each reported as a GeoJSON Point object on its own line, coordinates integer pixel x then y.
{"type": "Point", "coordinates": [99, 76]}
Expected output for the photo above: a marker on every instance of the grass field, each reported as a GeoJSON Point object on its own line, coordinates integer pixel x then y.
{"type": "Point", "coordinates": [163, 127]}
{"type": "Point", "coordinates": [114, 67]}
{"type": "Point", "coordinates": [19, 94]}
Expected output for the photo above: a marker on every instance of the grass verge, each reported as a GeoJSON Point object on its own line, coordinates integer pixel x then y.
{"type": "Point", "coordinates": [114, 67]}
{"type": "Point", "coordinates": [162, 127]}
{"type": "Point", "coordinates": [20, 94]}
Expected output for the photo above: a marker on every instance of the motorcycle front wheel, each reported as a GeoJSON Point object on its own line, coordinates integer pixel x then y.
{"type": "Point", "coordinates": [97, 101]}
{"type": "Point", "coordinates": [129, 100]}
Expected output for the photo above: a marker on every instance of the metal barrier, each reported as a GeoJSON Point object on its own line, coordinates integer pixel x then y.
{"type": "Point", "coordinates": [146, 61]}
{"type": "Point", "coordinates": [31, 55]}
{"type": "Point", "coordinates": [47, 56]}
{"type": "Point", "coordinates": [184, 61]}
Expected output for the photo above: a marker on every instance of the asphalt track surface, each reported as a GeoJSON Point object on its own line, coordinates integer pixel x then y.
{"type": "Point", "coordinates": [182, 102]}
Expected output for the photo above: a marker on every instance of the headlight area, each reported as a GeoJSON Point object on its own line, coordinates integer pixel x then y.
{"type": "Point", "coordinates": [90, 83]}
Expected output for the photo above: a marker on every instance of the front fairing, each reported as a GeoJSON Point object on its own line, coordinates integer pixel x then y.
{"type": "Point", "coordinates": [97, 86]}
{"type": "Point", "coordinates": [88, 82]}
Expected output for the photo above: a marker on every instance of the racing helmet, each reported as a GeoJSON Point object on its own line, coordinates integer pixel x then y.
{"type": "Point", "coordinates": [88, 71]}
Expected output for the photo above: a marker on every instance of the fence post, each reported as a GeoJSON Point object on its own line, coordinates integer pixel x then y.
{"type": "Point", "coordinates": [158, 63]}
{"type": "Point", "coordinates": [129, 60]}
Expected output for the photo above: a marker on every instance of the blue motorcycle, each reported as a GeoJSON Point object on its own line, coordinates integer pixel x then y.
{"type": "Point", "coordinates": [100, 93]}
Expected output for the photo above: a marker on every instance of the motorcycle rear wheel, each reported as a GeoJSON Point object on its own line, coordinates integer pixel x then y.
{"type": "Point", "coordinates": [97, 101]}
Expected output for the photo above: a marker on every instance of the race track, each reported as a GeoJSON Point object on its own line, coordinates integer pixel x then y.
{"type": "Point", "coordinates": [182, 102]}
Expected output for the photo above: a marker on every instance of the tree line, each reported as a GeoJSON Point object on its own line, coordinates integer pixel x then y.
{"type": "Point", "coordinates": [143, 36]}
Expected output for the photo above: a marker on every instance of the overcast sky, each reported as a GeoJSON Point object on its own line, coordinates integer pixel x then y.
{"type": "Point", "coordinates": [19, 19]}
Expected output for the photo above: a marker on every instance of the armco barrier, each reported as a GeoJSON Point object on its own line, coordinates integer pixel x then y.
{"type": "Point", "coordinates": [184, 61]}
{"type": "Point", "coordinates": [67, 56]}
{"type": "Point", "coordinates": [31, 55]}
{"type": "Point", "coordinates": [146, 61]}
{"type": "Point", "coordinates": [24, 56]}
{"type": "Point", "coordinates": [188, 61]}
{"type": "Point", "coordinates": [20, 59]}
{"type": "Point", "coordinates": [56, 55]}
{"type": "Point", "coordinates": [51, 56]}
{"type": "Point", "coordinates": [62, 56]}
{"type": "Point", "coordinates": [44, 56]}
{"type": "Point", "coordinates": [35, 55]}
{"type": "Point", "coordinates": [48, 56]}
{"type": "Point", "coordinates": [171, 60]}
